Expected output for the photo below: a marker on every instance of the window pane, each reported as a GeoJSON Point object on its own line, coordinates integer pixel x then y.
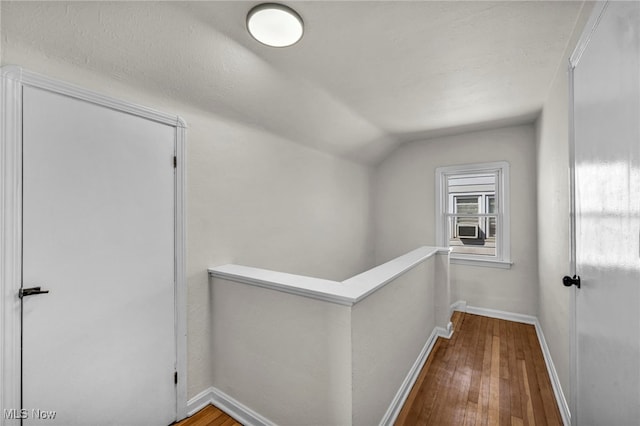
{"type": "Point", "coordinates": [467, 205]}
{"type": "Point", "coordinates": [466, 237]}
{"type": "Point", "coordinates": [491, 233]}
{"type": "Point", "coordinates": [491, 221]}
{"type": "Point", "coordinates": [471, 194]}
{"type": "Point", "coordinates": [491, 204]}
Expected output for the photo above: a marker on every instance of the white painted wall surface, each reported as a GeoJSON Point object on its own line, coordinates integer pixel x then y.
{"type": "Point", "coordinates": [404, 211]}
{"type": "Point", "coordinates": [390, 328]}
{"type": "Point", "coordinates": [442, 290]}
{"type": "Point", "coordinates": [296, 349]}
{"type": "Point", "coordinates": [252, 198]}
{"type": "Point", "coordinates": [286, 357]}
{"type": "Point", "coordinates": [257, 200]}
{"type": "Point", "coordinates": [552, 152]}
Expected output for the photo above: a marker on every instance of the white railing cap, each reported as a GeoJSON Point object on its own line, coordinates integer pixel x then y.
{"type": "Point", "coordinates": [348, 292]}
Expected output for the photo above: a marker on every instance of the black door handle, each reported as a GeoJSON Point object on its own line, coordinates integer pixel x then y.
{"type": "Point", "coordinates": [30, 291]}
{"type": "Point", "coordinates": [569, 281]}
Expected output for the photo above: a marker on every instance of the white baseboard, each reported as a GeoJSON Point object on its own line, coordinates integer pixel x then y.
{"type": "Point", "coordinates": [398, 401]}
{"type": "Point", "coordinates": [445, 332]}
{"type": "Point", "coordinates": [199, 401]}
{"type": "Point", "coordinates": [509, 316]}
{"type": "Point", "coordinates": [460, 305]}
{"type": "Point", "coordinates": [553, 375]}
{"type": "Point", "coordinates": [229, 405]}
{"type": "Point", "coordinates": [527, 319]}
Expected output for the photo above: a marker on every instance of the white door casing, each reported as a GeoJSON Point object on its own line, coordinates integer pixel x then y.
{"type": "Point", "coordinates": [605, 348]}
{"type": "Point", "coordinates": [17, 83]}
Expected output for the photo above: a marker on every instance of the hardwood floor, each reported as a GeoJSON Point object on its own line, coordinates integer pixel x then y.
{"type": "Point", "coordinates": [491, 372]}
{"type": "Point", "coordinates": [209, 416]}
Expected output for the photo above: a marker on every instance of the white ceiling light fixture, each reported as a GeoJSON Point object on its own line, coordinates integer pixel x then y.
{"type": "Point", "coordinates": [275, 25]}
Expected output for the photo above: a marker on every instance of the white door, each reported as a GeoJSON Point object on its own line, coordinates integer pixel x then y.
{"type": "Point", "coordinates": [98, 235]}
{"type": "Point", "coordinates": [607, 211]}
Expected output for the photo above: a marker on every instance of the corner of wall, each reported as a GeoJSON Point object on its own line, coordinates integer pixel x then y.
{"type": "Point", "coordinates": [552, 156]}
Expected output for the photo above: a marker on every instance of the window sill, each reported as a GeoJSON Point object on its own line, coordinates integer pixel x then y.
{"type": "Point", "coordinates": [502, 264]}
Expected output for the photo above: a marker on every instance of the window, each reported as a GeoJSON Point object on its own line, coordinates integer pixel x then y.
{"type": "Point", "coordinates": [472, 211]}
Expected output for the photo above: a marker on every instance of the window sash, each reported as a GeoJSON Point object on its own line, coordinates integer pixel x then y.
{"type": "Point", "coordinates": [501, 231]}
{"type": "Point", "coordinates": [481, 219]}
{"type": "Point", "coordinates": [483, 207]}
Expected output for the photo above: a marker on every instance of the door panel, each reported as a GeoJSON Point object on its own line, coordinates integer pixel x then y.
{"type": "Point", "coordinates": [98, 233]}
{"type": "Point", "coordinates": [607, 173]}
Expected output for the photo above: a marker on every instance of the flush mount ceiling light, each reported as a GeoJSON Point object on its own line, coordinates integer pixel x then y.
{"type": "Point", "coordinates": [275, 25]}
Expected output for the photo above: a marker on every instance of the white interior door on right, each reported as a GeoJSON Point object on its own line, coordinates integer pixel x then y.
{"type": "Point", "coordinates": [606, 120]}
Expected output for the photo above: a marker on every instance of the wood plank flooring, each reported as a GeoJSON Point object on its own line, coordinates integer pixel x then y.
{"type": "Point", "coordinates": [209, 416]}
{"type": "Point", "coordinates": [491, 372]}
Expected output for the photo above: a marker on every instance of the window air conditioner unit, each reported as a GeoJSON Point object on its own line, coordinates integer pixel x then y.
{"type": "Point", "coordinates": [467, 231]}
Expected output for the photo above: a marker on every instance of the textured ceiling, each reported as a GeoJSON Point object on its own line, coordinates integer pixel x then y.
{"type": "Point", "coordinates": [365, 77]}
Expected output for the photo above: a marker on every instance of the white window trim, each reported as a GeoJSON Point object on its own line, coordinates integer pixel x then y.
{"type": "Point", "coordinates": [503, 249]}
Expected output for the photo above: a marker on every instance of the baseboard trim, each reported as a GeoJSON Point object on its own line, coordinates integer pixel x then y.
{"type": "Point", "coordinates": [553, 375]}
{"type": "Point", "coordinates": [460, 305]}
{"type": "Point", "coordinates": [199, 401]}
{"type": "Point", "coordinates": [229, 405]}
{"type": "Point", "coordinates": [527, 319]}
{"type": "Point", "coordinates": [445, 332]}
{"type": "Point", "coordinates": [509, 316]}
{"type": "Point", "coordinates": [398, 401]}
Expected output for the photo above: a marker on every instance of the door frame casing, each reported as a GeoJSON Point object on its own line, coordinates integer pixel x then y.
{"type": "Point", "coordinates": [13, 79]}
{"type": "Point", "coordinates": [589, 28]}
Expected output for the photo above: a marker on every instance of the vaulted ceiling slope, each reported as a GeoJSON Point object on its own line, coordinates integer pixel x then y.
{"type": "Point", "coordinates": [367, 75]}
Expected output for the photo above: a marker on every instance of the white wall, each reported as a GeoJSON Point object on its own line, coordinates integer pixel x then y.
{"type": "Point", "coordinates": [552, 151]}
{"type": "Point", "coordinates": [390, 328]}
{"type": "Point", "coordinates": [259, 201]}
{"type": "Point", "coordinates": [405, 214]}
{"type": "Point", "coordinates": [299, 360]}
{"type": "Point", "coordinates": [252, 198]}
{"type": "Point", "coordinates": [287, 357]}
